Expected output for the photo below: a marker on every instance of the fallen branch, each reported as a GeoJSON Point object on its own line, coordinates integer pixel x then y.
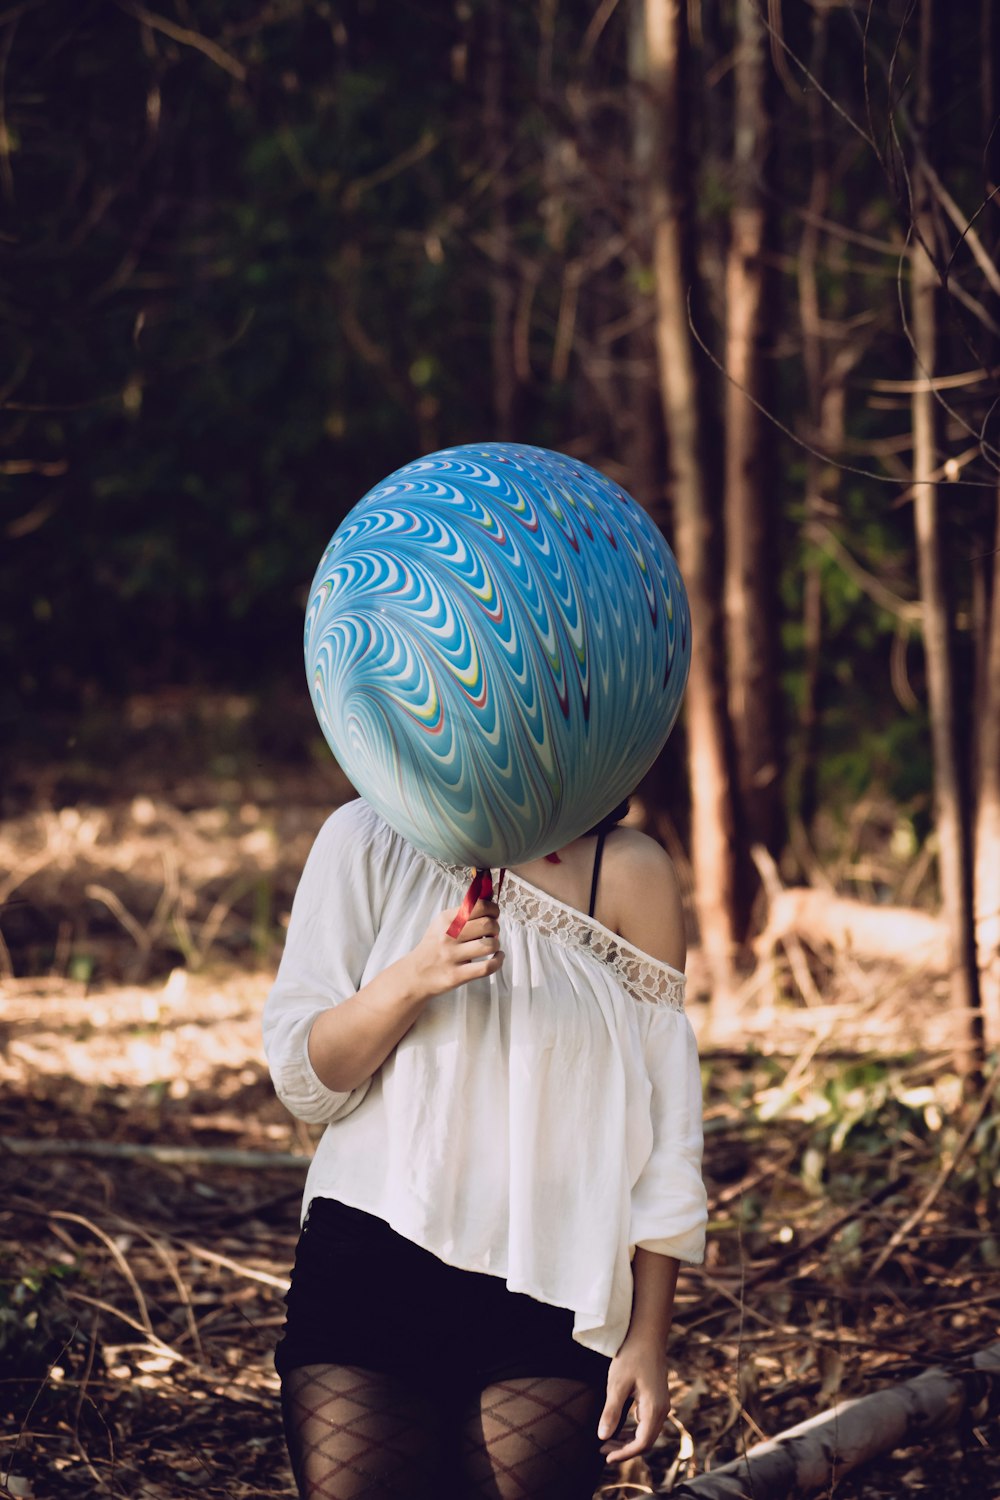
{"type": "Point", "coordinates": [817, 1453]}
{"type": "Point", "coordinates": [168, 1156]}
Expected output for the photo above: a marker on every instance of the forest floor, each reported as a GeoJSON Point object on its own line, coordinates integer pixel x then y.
{"type": "Point", "coordinates": [853, 1192]}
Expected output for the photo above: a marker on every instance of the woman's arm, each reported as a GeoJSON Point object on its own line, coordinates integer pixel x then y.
{"type": "Point", "coordinates": [350, 1041]}
{"type": "Point", "coordinates": [645, 899]}
{"type": "Point", "coordinates": [638, 1371]}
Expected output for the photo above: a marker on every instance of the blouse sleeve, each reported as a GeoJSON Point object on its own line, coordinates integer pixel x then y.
{"type": "Point", "coordinates": [669, 1203]}
{"type": "Point", "coordinates": [330, 936]}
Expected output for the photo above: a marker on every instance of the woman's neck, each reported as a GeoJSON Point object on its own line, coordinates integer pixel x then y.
{"type": "Point", "coordinates": [568, 880]}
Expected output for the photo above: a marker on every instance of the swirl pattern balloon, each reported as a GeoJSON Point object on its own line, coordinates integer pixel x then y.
{"type": "Point", "coordinates": [497, 643]}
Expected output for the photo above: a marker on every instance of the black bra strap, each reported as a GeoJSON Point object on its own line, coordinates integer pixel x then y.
{"type": "Point", "coordinates": [598, 855]}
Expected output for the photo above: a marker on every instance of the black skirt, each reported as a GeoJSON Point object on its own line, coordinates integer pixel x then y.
{"type": "Point", "coordinates": [363, 1295]}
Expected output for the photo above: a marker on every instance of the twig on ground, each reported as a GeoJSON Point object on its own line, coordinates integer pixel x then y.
{"type": "Point", "coordinates": [249, 1273]}
{"type": "Point", "coordinates": [118, 1259]}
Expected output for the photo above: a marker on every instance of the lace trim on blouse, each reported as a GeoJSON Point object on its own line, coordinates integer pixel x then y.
{"type": "Point", "coordinates": [644, 978]}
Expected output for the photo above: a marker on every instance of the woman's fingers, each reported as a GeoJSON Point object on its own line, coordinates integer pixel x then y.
{"type": "Point", "coordinates": [475, 953]}
{"type": "Point", "coordinates": [479, 935]}
{"type": "Point", "coordinates": [444, 962]}
{"type": "Point", "coordinates": [649, 1424]}
{"type": "Point", "coordinates": [615, 1408]}
{"type": "Point", "coordinates": [473, 931]}
{"type": "Point", "coordinates": [652, 1406]}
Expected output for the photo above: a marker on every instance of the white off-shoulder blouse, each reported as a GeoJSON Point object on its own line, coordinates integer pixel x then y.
{"type": "Point", "coordinates": [535, 1125]}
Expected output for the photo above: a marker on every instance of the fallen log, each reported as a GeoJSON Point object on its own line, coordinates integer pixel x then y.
{"type": "Point", "coordinates": [894, 933]}
{"type": "Point", "coordinates": [811, 1457]}
{"type": "Point", "coordinates": [820, 919]}
{"type": "Point", "coordinates": [168, 1156]}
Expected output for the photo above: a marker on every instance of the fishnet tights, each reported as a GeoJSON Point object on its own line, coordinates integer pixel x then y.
{"type": "Point", "coordinates": [352, 1432]}
{"type": "Point", "coordinates": [355, 1433]}
{"type": "Point", "coordinates": [532, 1440]}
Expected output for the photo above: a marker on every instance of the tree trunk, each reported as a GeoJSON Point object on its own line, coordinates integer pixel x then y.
{"type": "Point", "coordinates": [950, 777]}
{"type": "Point", "coordinates": [805, 791]}
{"type": "Point", "coordinates": [751, 551]}
{"type": "Point", "coordinates": [719, 899]}
{"type": "Point", "coordinates": [646, 458]}
{"type": "Point", "coordinates": [987, 831]}
{"type": "Point", "coordinates": [503, 294]}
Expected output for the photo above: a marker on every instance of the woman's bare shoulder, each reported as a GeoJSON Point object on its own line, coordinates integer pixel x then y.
{"type": "Point", "coordinates": [643, 896]}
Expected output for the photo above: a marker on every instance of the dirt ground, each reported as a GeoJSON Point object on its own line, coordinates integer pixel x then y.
{"type": "Point", "coordinates": [151, 1182]}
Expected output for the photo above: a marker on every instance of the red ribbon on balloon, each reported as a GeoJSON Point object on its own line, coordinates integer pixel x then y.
{"type": "Point", "coordinates": [480, 889]}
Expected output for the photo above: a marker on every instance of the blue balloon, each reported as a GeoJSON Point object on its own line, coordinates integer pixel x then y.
{"type": "Point", "coordinates": [497, 643]}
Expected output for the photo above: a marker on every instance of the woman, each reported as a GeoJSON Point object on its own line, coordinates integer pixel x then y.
{"type": "Point", "coordinates": [510, 1173]}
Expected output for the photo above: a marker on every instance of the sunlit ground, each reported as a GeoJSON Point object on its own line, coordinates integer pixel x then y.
{"type": "Point", "coordinates": [853, 1239]}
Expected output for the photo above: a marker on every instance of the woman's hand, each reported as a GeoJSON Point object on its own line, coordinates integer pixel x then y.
{"type": "Point", "coordinates": [350, 1041]}
{"type": "Point", "coordinates": [638, 1375]}
{"type": "Point", "coordinates": [442, 963]}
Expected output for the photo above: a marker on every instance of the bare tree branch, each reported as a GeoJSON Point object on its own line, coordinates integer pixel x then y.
{"type": "Point", "coordinates": [903, 609]}
{"type": "Point", "coordinates": [807, 447]}
{"type": "Point", "coordinates": [187, 38]}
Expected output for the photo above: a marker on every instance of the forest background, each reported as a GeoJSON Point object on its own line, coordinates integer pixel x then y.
{"type": "Point", "coordinates": [741, 257]}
